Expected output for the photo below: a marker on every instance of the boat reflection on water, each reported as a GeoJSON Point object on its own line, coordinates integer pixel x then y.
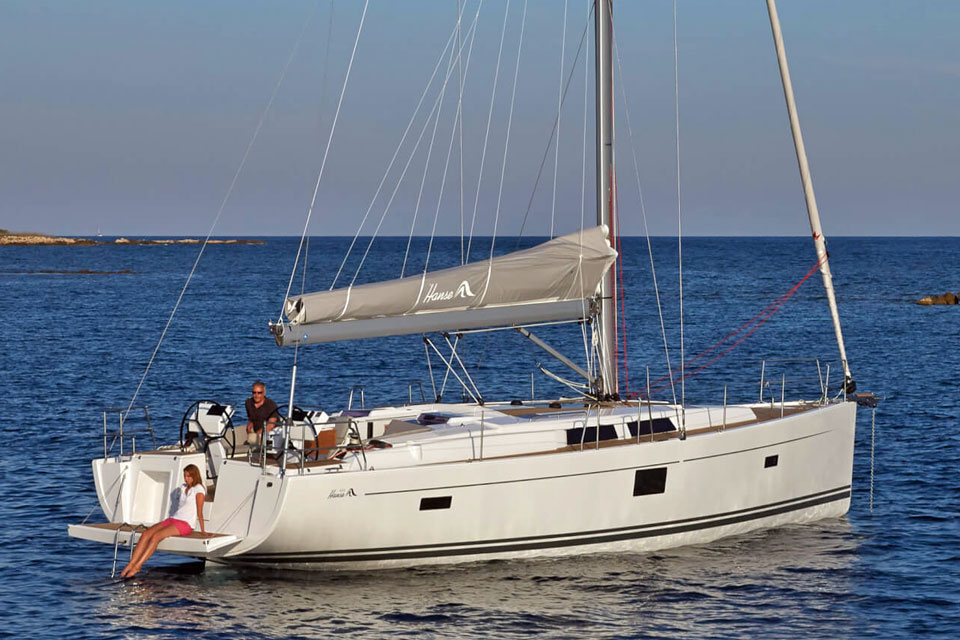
{"type": "Point", "coordinates": [795, 576]}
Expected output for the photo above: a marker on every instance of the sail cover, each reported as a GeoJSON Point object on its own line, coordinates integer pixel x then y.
{"type": "Point", "coordinates": [552, 281]}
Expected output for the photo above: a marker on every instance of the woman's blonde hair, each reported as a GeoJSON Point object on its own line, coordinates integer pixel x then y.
{"type": "Point", "coordinates": [194, 473]}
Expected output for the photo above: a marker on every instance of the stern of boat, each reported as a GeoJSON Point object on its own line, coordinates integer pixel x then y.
{"type": "Point", "coordinates": [136, 489]}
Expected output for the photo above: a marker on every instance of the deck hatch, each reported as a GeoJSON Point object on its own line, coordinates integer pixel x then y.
{"type": "Point", "coordinates": [771, 461]}
{"type": "Point", "coordinates": [428, 504]}
{"type": "Point", "coordinates": [650, 481]}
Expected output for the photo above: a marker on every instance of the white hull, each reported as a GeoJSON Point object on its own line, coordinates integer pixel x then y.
{"type": "Point", "coordinates": [715, 483]}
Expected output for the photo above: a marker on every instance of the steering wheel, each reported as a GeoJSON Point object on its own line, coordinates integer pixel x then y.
{"type": "Point", "coordinates": [298, 415]}
{"type": "Point", "coordinates": [229, 435]}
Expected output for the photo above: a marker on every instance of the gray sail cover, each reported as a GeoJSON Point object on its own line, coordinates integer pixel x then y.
{"type": "Point", "coordinates": [552, 281]}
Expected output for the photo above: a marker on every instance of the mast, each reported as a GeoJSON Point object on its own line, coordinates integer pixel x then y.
{"type": "Point", "coordinates": [819, 242]}
{"type": "Point", "coordinates": [603, 42]}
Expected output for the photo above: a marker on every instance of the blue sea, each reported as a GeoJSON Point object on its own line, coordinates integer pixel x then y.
{"type": "Point", "coordinates": [75, 343]}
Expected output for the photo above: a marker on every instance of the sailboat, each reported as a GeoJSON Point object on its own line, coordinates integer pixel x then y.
{"type": "Point", "coordinates": [436, 482]}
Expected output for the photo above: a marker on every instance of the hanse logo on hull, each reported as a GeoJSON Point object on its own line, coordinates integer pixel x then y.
{"type": "Point", "coordinates": [432, 295]}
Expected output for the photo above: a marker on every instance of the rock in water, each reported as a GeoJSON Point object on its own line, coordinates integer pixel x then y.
{"type": "Point", "coordinates": [947, 298]}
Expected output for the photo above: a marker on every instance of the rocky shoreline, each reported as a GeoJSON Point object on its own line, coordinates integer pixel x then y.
{"type": "Point", "coordinates": [37, 239]}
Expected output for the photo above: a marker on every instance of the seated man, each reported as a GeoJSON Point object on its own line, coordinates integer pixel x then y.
{"type": "Point", "coordinates": [261, 412]}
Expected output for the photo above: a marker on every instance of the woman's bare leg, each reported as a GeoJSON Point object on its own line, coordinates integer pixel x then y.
{"type": "Point", "coordinates": [151, 546]}
{"type": "Point", "coordinates": [143, 543]}
{"type": "Point", "coordinates": [147, 546]}
{"type": "Point", "coordinates": [140, 548]}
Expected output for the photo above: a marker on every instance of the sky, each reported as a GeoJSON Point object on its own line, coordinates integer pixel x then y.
{"type": "Point", "coordinates": [132, 118]}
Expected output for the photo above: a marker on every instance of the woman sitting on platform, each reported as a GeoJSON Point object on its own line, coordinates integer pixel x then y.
{"type": "Point", "coordinates": [186, 510]}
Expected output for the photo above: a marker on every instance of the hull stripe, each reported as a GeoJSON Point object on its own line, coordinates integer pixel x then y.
{"type": "Point", "coordinates": [550, 541]}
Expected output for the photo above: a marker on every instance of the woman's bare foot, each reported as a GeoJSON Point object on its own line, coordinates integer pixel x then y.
{"type": "Point", "coordinates": [130, 570]}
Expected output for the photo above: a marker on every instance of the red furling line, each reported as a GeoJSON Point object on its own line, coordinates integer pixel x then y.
{"type": "Point", "coordinates": [756, 320]}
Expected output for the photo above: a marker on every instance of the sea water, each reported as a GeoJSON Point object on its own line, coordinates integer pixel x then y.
{"type": "Point", "coordinates": [75, 343]}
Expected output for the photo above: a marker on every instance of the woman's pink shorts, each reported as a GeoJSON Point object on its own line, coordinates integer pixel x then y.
{"type": "Point", "coordinates": [181, 526]}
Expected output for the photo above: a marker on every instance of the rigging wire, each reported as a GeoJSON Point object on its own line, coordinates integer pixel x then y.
{"type": "Point", "coordinates": [623, 305]}
{"type": "Point", "coordinates": [553, 131]}
{"type": "Point", "coordinates": [556, 148]}
{"type": "Point", "coordinates": [486, 135]}
{"type": "Point", "coordinates": [757, 320]}
{"type": "Point", "coordinates": [458, 123]}
{"type": "Point", "coordinates": [506, 143]}
{"type": "Point", "coordinates": [326, 152]}
{"type": "Point", "coordinates": [326, 67]}
{"type": "Point", "coordinates": [460, 73]}
{"type": "Point", "coordinates": [403, 173]}
{"type": "Point", "coordinates": [589, 345]}
{"type": "Point", "coordinates": [446, 375]}
{"type": "Point", "coordinates": [323, 104]}
{"type": "Point", "coordinates": [577, 387]}
{"type": "Point", "coordinates": [396, 152]}
{"type": "Point", "coordinates": [426, 349]}
{"type": "Point", "coordinates": [223, 204]}
{"type": "Point", "coordinates": [643, 212]}
{"type": "Point", "coordinates": [426, 163]}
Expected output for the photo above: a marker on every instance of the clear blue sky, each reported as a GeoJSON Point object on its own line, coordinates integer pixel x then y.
{"type": "Point", "coordinates": [133, 116]}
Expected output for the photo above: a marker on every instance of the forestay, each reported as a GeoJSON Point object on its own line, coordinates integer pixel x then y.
{"type": "Point", "coordinates": [556, 280]}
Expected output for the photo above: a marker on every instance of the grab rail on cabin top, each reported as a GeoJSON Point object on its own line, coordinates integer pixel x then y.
{"type": "Point", "coordinates": [118, 433]}
{"type": "Point", "coordinates": [415, 383]}
{"type": "Point", "coordinates": [584, 425]}
{"type": "Point", "coordinates": [356, 387]}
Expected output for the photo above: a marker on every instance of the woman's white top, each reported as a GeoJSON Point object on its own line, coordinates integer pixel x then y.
{"type": "Point", "coordinates": [184, 503]}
